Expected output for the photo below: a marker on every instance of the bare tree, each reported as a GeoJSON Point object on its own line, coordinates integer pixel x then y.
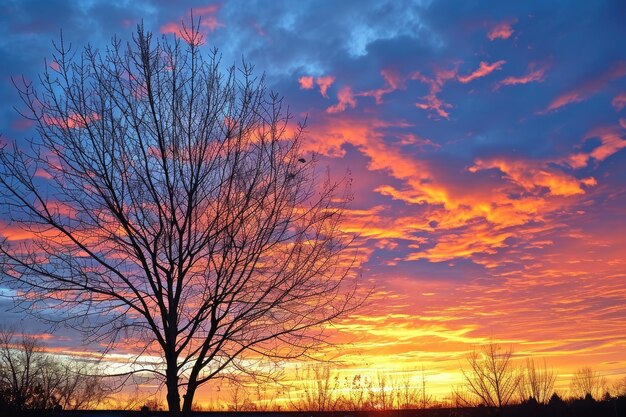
{"type": "Point", "coordinates": [425, 399]}
{"type": "Point", "coordinates": [83, 385]}
{"type": "Point", "coordinates": [31, 378]}
{"type": "Point", "coordinates": [21, 364]}
{"type": "Point", "coordinates": [407, 395]}
{"type": "Point", "coordinates": [492, 376]}
{"type": "Point", "coordinates": [241, 398]}
{"type": "Point", "coordinates": [319, 389]}
{"type": "Point", "coordinates": [386, 392]}
{"type": "Point", "coordinates": [360, 393]}
{"type": "Point", "coordinates": [536, 382]}
{"type": "Point", "coordinates": [619, 387]}
{"type": "Point", "coordinates": [170, 203]}
{"type": "Point", "coordinates": [585, 382]}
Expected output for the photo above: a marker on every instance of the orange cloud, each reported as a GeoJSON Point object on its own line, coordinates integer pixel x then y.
{"type": "Point", "coordinates": [324, 83]}
{"type": "Point", "coordinates": [443, 206]}
{"type": "Point", "coordinates": [481, 221]}
{"type": "Point", "coordinates": [532, 176]}
{"type": "Point", "coordinates": [60, 208]}
{"type": "Point", "coordinates": [611, 142]}
{"type": "Point", "coordinates": [619, 101]}
{"type": "Point", "coordinates": [483, 70]}
{"type": "Point", "coordinates": [587, 89]}
{"type": "Point", "coordinates": [346, 99]}
{"type": "Point", "coordinates": [306, 82]}
{"type": "Point", "coordinates": [533, 75]}
{"type": "Point", "coordinates": [475, 239]}
{"type": "Point", "coordinates": [502, 30]}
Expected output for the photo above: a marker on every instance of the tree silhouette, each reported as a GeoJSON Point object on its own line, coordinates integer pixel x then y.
{"type": "Point", "coordinates": [31, 378]}
{"type": "Point", "coordinates": [491, 375]}
{"type": "Point", "coordinates": [536, 382]}
{"type": "Point", "coordinates": [587, 383]}
{"type": "Point", "coordinates": [169, 204]}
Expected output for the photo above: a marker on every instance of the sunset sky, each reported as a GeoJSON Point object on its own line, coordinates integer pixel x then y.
{"type": "Point", "coordinates": [485, 145]}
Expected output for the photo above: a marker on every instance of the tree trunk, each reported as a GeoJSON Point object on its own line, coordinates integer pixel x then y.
{"type": "Point", "coordinates": [192, 385]}
{"type": "Point", "coordinates": [173, 398]}
{"type": "Point", "coordinates": [188, 402]}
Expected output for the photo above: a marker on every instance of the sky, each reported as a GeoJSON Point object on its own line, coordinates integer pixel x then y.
{"type": "Point", "coordinates": [485, 145]}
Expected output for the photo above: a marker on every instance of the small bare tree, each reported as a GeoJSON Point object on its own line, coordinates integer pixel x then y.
{"type": "Point", "coordinates": [491, 376]}
{"type": "Point", "coordinates": [407, 395]}
{"type": "Point", "coordinates": [319, 388]}
{"type": "Point", "coordinates": [22, 363]}
{"type": "Point", "coordinates": [425, 399]}
{"type": "Point", "coordinates": [84, 385]}
{"type": "Point", "coordinates": [619, 387]}
{"type": "Point", "coordinates": [360, 393]}
{"type": "Point", "coordinates": [386, 393]}
{"type": "Point", "coordinates": [170, 204]}
{"type": "Point", "coordinates": [31, 378]}
{"type": "Point", "coordinates": [536, 382]}
{"type": "Point", "coordinates": [585, 382]}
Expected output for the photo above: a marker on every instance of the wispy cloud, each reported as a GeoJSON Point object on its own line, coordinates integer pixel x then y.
{"type": "Point", "coordinates": [587, 88]}
{"type": "Point", "coordinates": [502, 30]}
{"type": "Point", "coordinates": [345, 99]}
{"type": "Point", "coordinates": [483, 70]}
{"type": "Point", "coordinates": [536, 74]}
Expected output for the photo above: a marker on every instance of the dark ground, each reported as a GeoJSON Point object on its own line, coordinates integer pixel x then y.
{"type": "Point", "coordinates": [580, 408]}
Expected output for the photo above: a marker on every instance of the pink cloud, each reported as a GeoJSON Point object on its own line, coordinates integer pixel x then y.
{"type": "Point", "coordinates": [208, 9]}
{"type": "Point", "coordinates": [306, 82]}
{"type": "Point", "coordinates": [393, 82]}
{"type": "Point", "coordinates": [22, 124]}
{"type": "Point", "coordinates": [42, 173]}
{"type": "Point", "coordinates": [483, 70]}
{"type": "Point", "coordinates": [534, 74]}
{"type": "Point", "coordinates": [208, 21]}
{"type": "Point", "coordinates": [588, 88]}
{"type": "Point", "coordinates": [619, 101]}
{"type": "Point", "coordinates": [611, 141]}
{"type": "Point", "coordinates": [73, 120]}
{"type": "Point", "coordinates": [431, 101]}
{"type": "Point", "coordinates": [502, 30]}
{"type": "Point", "coordinates": [324, 83]}
{"type": "Point", "coordinates": [346, 99]}
{"type": "Point", "coordinates": [175, 29]}
{"type": "Point", "coordinates": [434, 103]}
{"type": "Point", "coordinates": [415, 140]}
{"type": "Point", "coordinates": [259, 29]}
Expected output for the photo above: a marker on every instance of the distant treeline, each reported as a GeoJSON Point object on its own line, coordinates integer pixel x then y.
{"type": "Point", "coordinates": [615, 407]}
{"type": "Point", "coordinates": [34, 381]}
